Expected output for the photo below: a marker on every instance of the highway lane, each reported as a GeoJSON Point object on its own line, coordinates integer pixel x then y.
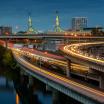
{"type": "Point", "coordinates": [73, 50]}
{"type": "Point", "coordinates": [85, 90]}
{"type": "Point", "coordinates": [56, 60]}
{"type": "Point", "coordinates": [44, 56]}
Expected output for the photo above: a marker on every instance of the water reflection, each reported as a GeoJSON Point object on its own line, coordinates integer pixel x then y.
{"type": "Point", "coordinates": [25, 93]}
{"type": "Point", "coordinates": [16, 89]}
{"type": "Point", "coordinates": [17, 99]}
{"type": "Point", "coordinates": [7, 95]}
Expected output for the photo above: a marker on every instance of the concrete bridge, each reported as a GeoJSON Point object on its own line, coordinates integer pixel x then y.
{"type": "Point", "coordinates": [82, 93]}
{"type": "Point", "coordinates": [50, 42]}
{"type": "Point", "coordinates": [73, 53]}
{"type": "Point", "coordinates": [56, 60]}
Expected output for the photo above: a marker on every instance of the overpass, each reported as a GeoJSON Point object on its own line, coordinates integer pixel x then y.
{"type": "Point", "coordinates": [53, 59]}
{"type": "Point", "coordinates": [50, 42]}
{"type": "Point", "coordinates": [82, 93]}
{"type": "Point", "coordinates": [73, 53]}
{"type": "Point", "coordinates": [60, 36]}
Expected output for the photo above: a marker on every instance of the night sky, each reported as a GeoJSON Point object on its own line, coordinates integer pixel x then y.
{"type": "Point", "coordinates": [15, 12]}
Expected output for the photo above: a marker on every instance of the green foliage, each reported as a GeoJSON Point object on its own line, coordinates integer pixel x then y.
{"type": "Point", "coordinates": [2, 50]}
{"type": "Point", "coordinates": [6, 58]}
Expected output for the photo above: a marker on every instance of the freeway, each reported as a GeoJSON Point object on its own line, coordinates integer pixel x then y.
{"type": "Point", "coordinates": [73, 50]}
{"type": "Point", "coordinates": [43, 56]}
{"type": "Point", "coordinates": [50, 58]}
{"type": "Point", "coordinates": [82, 89]}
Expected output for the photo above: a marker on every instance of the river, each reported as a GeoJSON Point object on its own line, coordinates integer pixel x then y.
{"type": "Point", "coordinates": [16, 89]}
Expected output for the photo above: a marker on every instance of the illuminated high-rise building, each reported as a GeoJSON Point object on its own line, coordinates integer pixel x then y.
{"type": "Point", "coordinates": [78, 23]}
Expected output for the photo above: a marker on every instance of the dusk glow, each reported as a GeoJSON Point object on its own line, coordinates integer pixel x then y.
{"type": "Point", "coordinates": [52, 52]}
{"type": "Point", "coordinates": [15, 12]}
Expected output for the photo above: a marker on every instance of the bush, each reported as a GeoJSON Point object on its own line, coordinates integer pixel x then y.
{"type": "Point", "coordinates": [6, 58]}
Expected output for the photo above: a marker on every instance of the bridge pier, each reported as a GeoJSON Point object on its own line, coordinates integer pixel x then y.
{"type": "Point", "coordinates": [31, 81]}
{"type": "Point", "coordinates": [101, 77]}
{"type": "Point", "coordinates": [36, 46]}
{"type": "Point", "coordinates": [24, 78]}
{"type": "Point", "coordinates": [48, 88]}
{"type": "Point", "coordinates": [22, 72]}
{"type": "Point", "coordinates": [101, 83]}
{"type": "Point", "coordinates": [68, 68]}
{"type": "Point", "coordinates": [6, 43]}
{"type": "Point", "coordinates": [29, 78]}
{"type": "Point", "coordinates": [55, 97]}
{"type": "Point", "coordinates": [43, 47]}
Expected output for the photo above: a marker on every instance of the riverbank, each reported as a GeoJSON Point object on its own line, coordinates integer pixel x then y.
{"type": "Point", "coordinates": [6, 59]}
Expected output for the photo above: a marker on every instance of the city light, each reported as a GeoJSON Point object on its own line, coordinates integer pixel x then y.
{"type": "Point", "coordinates": [52, 52]}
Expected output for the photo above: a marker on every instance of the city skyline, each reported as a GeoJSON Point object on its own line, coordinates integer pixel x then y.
{"type": "Point", "coordinates": [15, 13]}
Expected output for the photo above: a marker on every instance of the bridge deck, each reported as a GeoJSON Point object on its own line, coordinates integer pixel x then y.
{"type": "Point", "coordinates": [82, 89]}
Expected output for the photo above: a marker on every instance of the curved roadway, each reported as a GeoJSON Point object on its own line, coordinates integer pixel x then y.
{"type": "Point", "coordinates": [82, 89]}
{"type": "Point", "coordinates": [73, 52]}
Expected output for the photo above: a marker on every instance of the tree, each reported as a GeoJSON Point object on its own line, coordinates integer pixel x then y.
{"type": "Point", "coordinates": [7, 58]}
